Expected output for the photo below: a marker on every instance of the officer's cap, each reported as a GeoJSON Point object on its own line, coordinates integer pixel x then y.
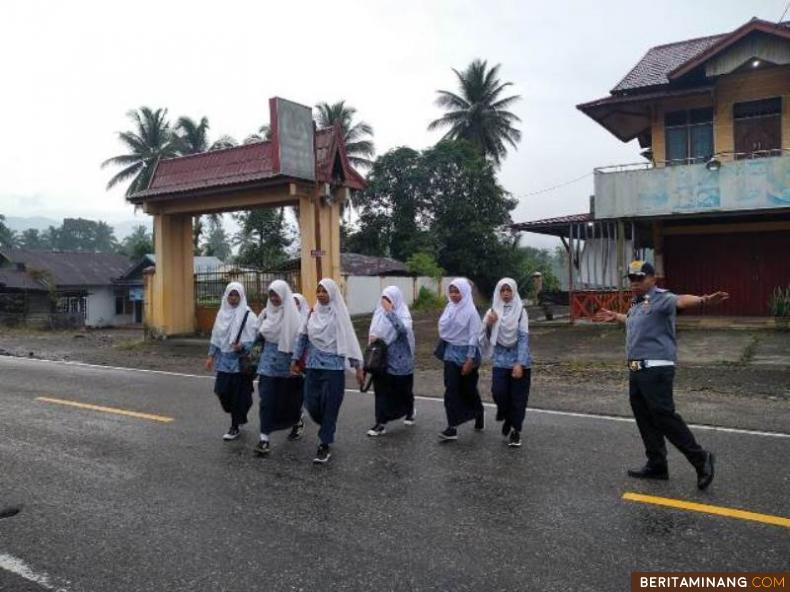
{"type": "Point", "coordinates": [639, 269]}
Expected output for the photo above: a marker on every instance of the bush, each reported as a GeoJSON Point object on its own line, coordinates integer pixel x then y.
{"type": "Point", "coordinates": [424, 264]}
{"type": "Point", "coordinates": [780, 302]}
{"type": "Point", "coordinates": [428, 300]}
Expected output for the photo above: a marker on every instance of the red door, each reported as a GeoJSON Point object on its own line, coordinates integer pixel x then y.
{"type": "Point", "coordinates": [747, 265]}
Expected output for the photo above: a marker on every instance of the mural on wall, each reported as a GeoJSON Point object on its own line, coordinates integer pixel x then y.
{"type": "Point", "coordinates": [740, 185]}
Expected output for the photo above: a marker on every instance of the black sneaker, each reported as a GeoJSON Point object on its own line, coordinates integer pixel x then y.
{"type": "Point", "coordinates": [515, 439]}
{"type": "Point", "coordinates": [505, 428]}
{"type": "Point", "coordinates": [233, 434]}
{"type": "Point", "coordinates": [480, 423]}
{"type": "Point", "coordinates": [448, 434]}
{"type": "Point", "coordinates": [322, 455]}
{"type": "Point", "coordinates": [377, 430]}
{"type": "Point", "coordinates": [705, 472]}
{"type": "Point", "coordinates": [649, 472]}
{"type": "Point", "coordinates": [296, 431]}
{"type": "Point", "coordinates": [409, 419]}
{"type": "Point", "coordinates": [262, 448]}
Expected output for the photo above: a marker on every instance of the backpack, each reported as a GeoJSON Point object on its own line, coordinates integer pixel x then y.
{"type": "Point", "coordinates": [374, 361]}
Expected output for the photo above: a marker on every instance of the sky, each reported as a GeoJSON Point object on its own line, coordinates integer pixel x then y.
{"type": "Point", "coordinates": [72, 70]}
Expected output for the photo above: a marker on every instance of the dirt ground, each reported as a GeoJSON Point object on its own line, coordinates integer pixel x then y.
{"type": "Point", "coordinates": [731, 377]}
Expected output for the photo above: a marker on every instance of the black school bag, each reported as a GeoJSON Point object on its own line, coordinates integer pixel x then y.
{"type": "Point", "coordinates": [374, 361]}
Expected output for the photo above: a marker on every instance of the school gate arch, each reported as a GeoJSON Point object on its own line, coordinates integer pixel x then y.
{"type": "Point", "coordinates": [299, 166]}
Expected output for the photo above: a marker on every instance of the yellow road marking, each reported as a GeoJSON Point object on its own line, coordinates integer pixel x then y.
{"type": "Point", "coordinates": [707, 509]}
{"type": "Point", "coordinates": [114, 410]}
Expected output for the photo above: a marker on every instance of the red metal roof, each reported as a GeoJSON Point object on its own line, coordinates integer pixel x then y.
{"type": "Point", "coordinates": [241, 165]}
{"type": "Point", "coordinates": [559, 226]}
{"type": "Point", "coordinates": [572, 219]}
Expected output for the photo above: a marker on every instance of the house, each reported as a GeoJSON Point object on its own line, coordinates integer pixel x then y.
{"type": "Point", "coordinates": [82, 282]}
{"type": "Point", "coordinates": [710, 205]}
{"type": "Point", "coordinates": [23, 297]}
{"type": "Point", "coordinates": [131, 283]}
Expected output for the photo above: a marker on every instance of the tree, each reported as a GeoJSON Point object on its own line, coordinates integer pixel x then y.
{"type": "Point", "coordinates": [263, 237]}
{"type": "Point", "coordinates": [223, 142]}
{"type": "Point", "coordinates": [33, 239]}
{"type": "Point", "coordinates": [79, 234]}
{"type": "Point", "coordinates": [478, 113]}
{"type": "Point", "coordinates": [191, 135]}
{"type": "Point", "coordinates": [524, 261]}
{"type": "Point", "coordinates": [445, 202]}
{"type": "Point", "coordinates": [8, 237]}
{"type": "Point", "coordinates": [150, 140]}
{"type": "Point", "coordinates": [103, 238]}
{"type": "Point", "coordinates": [394, 208]}
{"type": "Point", "coordinates": [470, 212]}
{"type": "Point", "coordinates": [357, 135]}
{"type": "Point", "coordinates": [138, 244]}
{"type": "Point", "coordinates": [217, 243]}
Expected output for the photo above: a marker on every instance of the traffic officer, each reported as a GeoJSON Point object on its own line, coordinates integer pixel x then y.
{"type": "Point", "coordinates": [651, 349]}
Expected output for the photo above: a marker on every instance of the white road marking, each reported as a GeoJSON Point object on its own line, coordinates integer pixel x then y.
{"type": "Point", "coordinates": [604, 417]}
{"type": "Point", "coordinates": [20, 568]}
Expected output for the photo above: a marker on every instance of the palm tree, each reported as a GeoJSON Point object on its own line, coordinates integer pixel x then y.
{"type": "Point", "coordinates": [477, 113]}
{"type": "Point", "coordinates": [192, 135]}
{"type": "Point", "coordinates": [359, 144]}
{"type": "Point", "coordinates": [151, 140]}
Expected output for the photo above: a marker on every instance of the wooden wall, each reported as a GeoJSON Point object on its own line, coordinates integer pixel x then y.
{"type": "Point", "coordinates": [732, 88]}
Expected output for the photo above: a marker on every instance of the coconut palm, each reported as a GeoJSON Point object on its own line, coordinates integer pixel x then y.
{"type": "Point", "coordinates": [192, 135]}
{"type": "Point", "coordinates": [478, 112]}
{"type": "Point", "coordinates": [357, 136]}
{"type": "Point", "coordinates": [150, 140]}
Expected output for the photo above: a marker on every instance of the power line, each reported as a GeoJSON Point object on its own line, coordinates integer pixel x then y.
{"type": "Point", "coordinates": [781, 18]}
{"type": "Point", "coordinates": [553, 187]}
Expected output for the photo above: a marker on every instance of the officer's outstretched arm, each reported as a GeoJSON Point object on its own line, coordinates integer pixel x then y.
{"type": "Point", "coordinates": [686, 301]}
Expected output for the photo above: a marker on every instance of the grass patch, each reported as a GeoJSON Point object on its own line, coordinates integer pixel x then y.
{"type": "Point", "coordinates": [131, 345]}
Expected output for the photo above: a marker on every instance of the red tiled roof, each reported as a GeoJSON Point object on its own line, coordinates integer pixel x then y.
{"type": "Point", "coordinates": [656, 77]}
{"type": "Point", "coordinates": [242, 164]}
{"type": "Point", "coordinates": [779, 29]}
{"type": "Point", "coordinates": [660, 64]}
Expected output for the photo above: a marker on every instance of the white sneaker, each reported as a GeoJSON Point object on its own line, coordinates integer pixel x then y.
{"type": "Point", "coordinates": [233, 434]}
{"type": "Point", "coordinates": [377, 430]}
{"type": "Point", "coordinates": [410, 419]}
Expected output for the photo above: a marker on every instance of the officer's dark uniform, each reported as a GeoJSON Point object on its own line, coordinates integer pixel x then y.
{"type": "Point", "coordinates": [652, 353]}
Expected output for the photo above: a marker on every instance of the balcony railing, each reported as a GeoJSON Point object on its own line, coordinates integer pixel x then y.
{"type": "Point", "coordinates": [729, 181]}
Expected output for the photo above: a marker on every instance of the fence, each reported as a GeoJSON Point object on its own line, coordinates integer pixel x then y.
{"type": "Point", "coordinates": [210, 286]}
{"type": "Point", "coordinates": [364, 292]}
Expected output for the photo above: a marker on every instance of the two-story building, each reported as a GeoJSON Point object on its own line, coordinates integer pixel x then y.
{"type": "Point", "coordinates": [710, 203]}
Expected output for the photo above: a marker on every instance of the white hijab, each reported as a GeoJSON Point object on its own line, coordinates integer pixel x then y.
{"type": "Point", "coordinates": [460, 324]}
{"type": "Point", "coordinates": [303, 306]}
{"type": "Point", "coordinates": [382, 328]}
{"type": "Point", "coordinates": [329, 328]}
{"type": "Point", "coordinates": [229, 319]}
{"type": "Point", "coordinates": [281, 324]}
{"type": "Point", "coordinates": [512, 317]}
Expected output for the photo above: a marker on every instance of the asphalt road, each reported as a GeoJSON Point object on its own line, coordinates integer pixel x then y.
{"type": "Point", "coordinates": [118, 503]}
